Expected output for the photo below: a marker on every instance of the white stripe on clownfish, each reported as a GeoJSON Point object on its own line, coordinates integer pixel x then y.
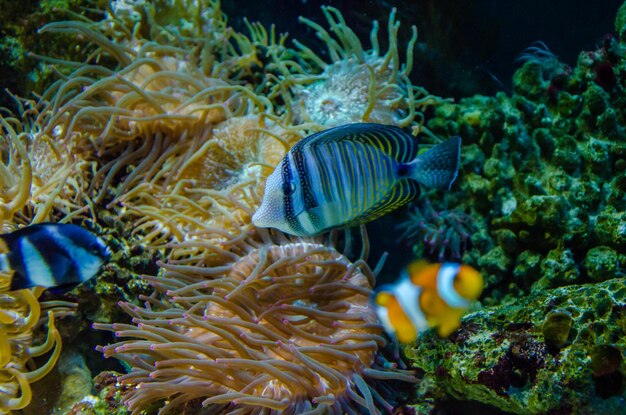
{"type": "Point", "coordinates": [445, 286]}
{"type": "Point", "coordinates": [407, 294]}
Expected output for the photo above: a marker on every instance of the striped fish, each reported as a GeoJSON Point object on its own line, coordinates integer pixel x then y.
{"type": "Point", "coordinates": [349, 175]}
{"type": "Point", "coordinates": [51, 255]}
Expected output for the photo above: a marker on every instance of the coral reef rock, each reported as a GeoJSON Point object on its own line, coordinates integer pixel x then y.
{"type": "Point", "coordinates": [513, 358]}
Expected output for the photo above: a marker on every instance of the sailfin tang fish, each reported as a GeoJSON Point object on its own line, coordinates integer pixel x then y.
{"type": "Point", "coordinates": [427, 296]}
{"type": "Point", "coordinates": [51, 255]}
{"type": "Point", "coordinates": [349, 175]}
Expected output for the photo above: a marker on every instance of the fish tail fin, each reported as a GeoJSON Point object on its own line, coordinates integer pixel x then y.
{"type": "Point", "coordinates": [438, 166]}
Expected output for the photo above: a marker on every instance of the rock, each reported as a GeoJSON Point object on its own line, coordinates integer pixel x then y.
{"type": "Point", "coordinates": [500, 357]}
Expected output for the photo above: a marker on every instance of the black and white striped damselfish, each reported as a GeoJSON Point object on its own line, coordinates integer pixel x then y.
{"type": "Point", "coordinates": [350, 175]}
{"type": "Point", "coordinates": [51, 255]}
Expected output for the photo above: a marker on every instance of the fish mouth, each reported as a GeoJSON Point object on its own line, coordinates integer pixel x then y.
{"type": "Point", "coordinates": [257, 219]}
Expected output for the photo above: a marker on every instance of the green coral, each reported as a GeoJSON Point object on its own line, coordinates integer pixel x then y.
{"type": "Point", "coordinates": [620, 22]}
{"type": "Point", "coordinates": [21, 72]}
{"type": "Point", "coordinates": [501, 356]}
{"type": "Point", "coordinates": [107, 401]}
{"type": "Point", "coordinates": [602, 262]}
{"type": "Point", "coordinates": [543, 166]}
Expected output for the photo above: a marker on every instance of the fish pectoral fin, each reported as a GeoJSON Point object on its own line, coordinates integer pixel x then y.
{"type": "Point", "coordinates": [400, 194]}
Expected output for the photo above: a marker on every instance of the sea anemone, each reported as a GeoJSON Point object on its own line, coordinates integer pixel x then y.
{"type": "Point", "coordinates": [41, 179]}
{"type": "Point", "coordinates": [172, 141]}
{"type": "Point", "coordinates": [154, 93]}
{"type": "Point", "coordinates": [149, 73]}
{"type": "Point", "coordinates": [39, 176]}
{"type": "Point", "coordinates": [358, 85]}
{"type": "Point", "coordinates": [444, 234]}
{"type": "Point", "coordinates": [19, 316]}
{"type": "Point", "coordinates": [259, 323]}
{"type": "Point", "coordinates": [207, 181]}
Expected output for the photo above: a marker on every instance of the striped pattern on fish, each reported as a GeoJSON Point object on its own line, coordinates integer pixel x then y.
{"type": "Point", "coordinates": [349, 175]}
{"type": "Point", "coordinates": [51, 255]}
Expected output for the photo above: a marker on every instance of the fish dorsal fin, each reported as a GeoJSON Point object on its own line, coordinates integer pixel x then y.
{"type": "Point", "coordinates": [389, 139]}
{"type": "Point", "coordinates": [424, 274]}
{"type": "Point", "coordinates": [400, 194]}
{"type": "Point", "coordinates": [415, 269]}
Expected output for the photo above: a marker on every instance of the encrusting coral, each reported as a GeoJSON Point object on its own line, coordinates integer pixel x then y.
{"type": "Point", "coordinates": [540, 173]}
{"type": "Point", "coordinates": [275, 323]}
{"type": "Point", "coordinates": [542, 170]}
{"type": "Point", "coordinates": [516, 357]}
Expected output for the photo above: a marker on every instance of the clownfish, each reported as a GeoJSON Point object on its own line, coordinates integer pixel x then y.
{"type": "Point", "coordinates": [51, 255]}
{"type": "Point", "coordinates": [427, 296]}
{"type": "Point", "coordinates": [349, 175]}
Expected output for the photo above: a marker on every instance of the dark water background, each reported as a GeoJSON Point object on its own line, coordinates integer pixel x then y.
{"type": "Point", "coordinates": [465, 46]}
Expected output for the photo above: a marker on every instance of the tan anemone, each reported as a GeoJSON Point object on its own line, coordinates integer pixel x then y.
{"type": "Point", "coordinates": [209, 181]}
{"type": "Point", "coordinates": [40, 177]}
{"type": "Point", "coordinates": [277, 326]}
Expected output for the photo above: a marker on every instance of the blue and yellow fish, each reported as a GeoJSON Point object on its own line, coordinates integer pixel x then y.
{"type": "Point", "coordinates": [427, 296]}
{"type": "Point", "coordinates": [350, 175]}
{"type": "Point", "coordinates": [51, 255]}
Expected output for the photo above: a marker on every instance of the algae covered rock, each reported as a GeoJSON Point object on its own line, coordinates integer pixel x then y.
{"type": "Point", "coordinates": [542, 172]}
{"type": "Point", "coordinates": [555, 351]}
{"type": "Point", "coordinates": [620, 22]}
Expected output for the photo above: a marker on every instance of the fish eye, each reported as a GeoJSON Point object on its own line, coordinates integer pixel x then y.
{"type": "Point", "coordinates": [289, 188]}
{"type": "Point", "coordinates": [94, 248]}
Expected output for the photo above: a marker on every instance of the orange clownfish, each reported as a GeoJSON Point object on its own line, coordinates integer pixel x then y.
{"type": "Point", "coordinates": [427, 296]}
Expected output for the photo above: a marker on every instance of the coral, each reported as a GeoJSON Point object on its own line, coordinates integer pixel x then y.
{"type": "Point", "coordinates": [106, 402]}
{"type": "Point", "coordinates": [603, 262]}
{"type": "Point", "coordinates": [539, 178]}
{"type": "Point", "coordinates": [523, 188]}
{"type": "Point", "coordinates": [506, 356]}
{"type": "Point", "coordinates": [75, 376]}
{"type": "Point", "coordinates": [620, 22]}
{"type": "Point", "coordinates": [162, 130]}
{"type": "Point", "coordinates": [543, 75]}
{"type": "Point", "coordinates": [21, 42]}
{"type": "Point", "coordinates": [163, 126]}
{"type": "Point", "coordinates": [272, 324]}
